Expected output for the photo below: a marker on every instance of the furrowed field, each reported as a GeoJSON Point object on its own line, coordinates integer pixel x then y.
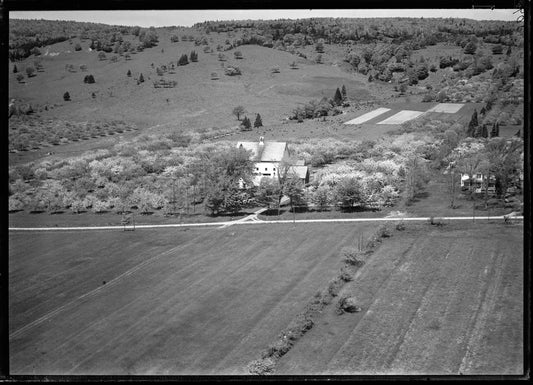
{"type": "Point", "coordinates": [444, 302]}
{"type": "Point", "coordinates": [209, 301]}
{"type": "Point", "coordinates": [175, 302]}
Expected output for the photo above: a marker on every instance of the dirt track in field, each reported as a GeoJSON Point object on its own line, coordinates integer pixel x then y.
{"type": "Point", "coordinates": [447, 302]}
{"type": "Point", "coordinates": [185, 302]}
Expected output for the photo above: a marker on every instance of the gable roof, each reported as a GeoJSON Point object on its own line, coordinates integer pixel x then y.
{"type": "Point", "coordinates": [267, 152]}
{"type": "Point", "coordinates": [299, 171]}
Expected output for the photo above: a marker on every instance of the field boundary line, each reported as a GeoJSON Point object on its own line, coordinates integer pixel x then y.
{"type": "Point", "coordinates": [249, 220]}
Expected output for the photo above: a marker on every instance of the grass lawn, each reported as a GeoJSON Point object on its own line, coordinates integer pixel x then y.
{"type": "Point", "coordinates": [435, 300]}
{"type": "Point", "coordinates": [174, 301]}
{"type": "Point", "coordinates": [26, 219]}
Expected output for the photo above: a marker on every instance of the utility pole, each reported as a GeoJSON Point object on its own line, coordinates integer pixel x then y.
{"type": "Point", "coordinates": [193, 198]}
{"type": "Point", "coordinates": [473, 209]}
{"type": "Point", "coordinates": [453, 188]}
{"type": "Point", "coordinates": [187, 198]}
{"type": "Point", "coordinates": [174, 198]}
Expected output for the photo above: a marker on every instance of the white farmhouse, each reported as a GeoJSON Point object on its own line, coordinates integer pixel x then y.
{"type": "Point", "coordinates": [478, 182]}
{"type": "Point", "coordinates": [268, 157]}
{"type": "Point", "coordinates": [479, 179]}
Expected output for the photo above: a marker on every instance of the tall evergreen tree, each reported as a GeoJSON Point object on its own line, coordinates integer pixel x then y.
{"type": "Point", "coordinates": [495, 130]}
{"type": "Point", "coordinates": [247, 125]}
{"type": "Point", "coordinates": [472, 125]}
{"type": "Point", "coordinates": [15, 69]}
{"type": "Point", "coordinates": [258, 122]}
{"type": "Point", "coordinates": [343, 92]}
{"type": "Point", "coordinates": [183, 60]}
{"type": "Point", "coordinates": [129, 73]}
{"type": "Point", "coordinates": [194, 56]}
{"type": "Point", "coordinates": [484, 131]}
{"type": "Point", "coordinates": [66, 96]}
{"type": "Point", "coordinates": [141, 78]}
{"type": "Point", "coordinates": [338, 97]}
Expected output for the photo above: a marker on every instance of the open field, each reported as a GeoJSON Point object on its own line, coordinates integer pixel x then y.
{"type": "Point", "coordinates": [26, 219]}
{"type": "Point", "coordinates": [174, 302]}
{"type": "Point", "coordinates": [273, 95]}
{"type": "Point", "coordinates": [434, 301]}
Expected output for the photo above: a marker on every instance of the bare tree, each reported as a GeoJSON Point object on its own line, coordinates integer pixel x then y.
{"type": "Point", "coordinates": [238, 111]}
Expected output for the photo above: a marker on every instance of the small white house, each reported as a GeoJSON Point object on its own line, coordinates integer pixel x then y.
{"type": "Point", "coordinates": [478, 181]}
{"type": "Point", "coordinates": [268, 157]}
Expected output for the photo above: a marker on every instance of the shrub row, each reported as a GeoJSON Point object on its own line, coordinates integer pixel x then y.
{"type": "Point", "coordinates": [304, 321]}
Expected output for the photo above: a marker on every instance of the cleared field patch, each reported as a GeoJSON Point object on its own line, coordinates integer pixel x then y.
{"type": "Point", "coordinates": [369, 115]}
{"type": "Point", "coordinates": [450, 108]}
{"type": "Point", "coordinates": [401, 117]}
{"type": "Point", "coordinates": [175, 302]}
{"type": "Point", "coordinates": [444, 301]}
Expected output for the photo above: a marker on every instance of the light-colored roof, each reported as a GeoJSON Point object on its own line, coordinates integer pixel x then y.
{"type": "Point", "coordinates": [267, 152]}
{"type": "Point", "coordinates": [300, 171]}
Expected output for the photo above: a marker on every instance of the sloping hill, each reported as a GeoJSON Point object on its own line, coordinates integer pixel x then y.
{"type": "Point", "coordinates": [197, 100]}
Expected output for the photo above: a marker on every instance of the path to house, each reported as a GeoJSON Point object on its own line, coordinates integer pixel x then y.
{"type": "Point", "coordinates": [249, 218]}
{"type": "Point", "coordinates": [252, 219]}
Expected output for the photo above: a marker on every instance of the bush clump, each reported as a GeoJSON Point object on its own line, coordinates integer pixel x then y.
{"type": "Point", "coordinates": [347, 304]}
{"type": "Point", "coordinates": [384, 232]}
{"type": "Point", "coordinates": [352, 256]}
{"type": "Point", "coordinates": [232, 71]}
{"type": "Point", "coordinates": [262, 366]}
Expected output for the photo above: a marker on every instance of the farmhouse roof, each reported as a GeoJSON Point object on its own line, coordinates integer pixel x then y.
{"type": "Point", "coordinates": [300, 171]}
{"type": "Point", "coordinates": [265, 151]}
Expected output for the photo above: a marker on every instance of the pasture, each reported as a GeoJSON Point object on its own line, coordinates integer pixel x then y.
{"type": "Point", "coordinates": [173, 302]}
{"type": "Point", "coordinates": [435, 300]}
{"type": "Point", "coordinates": [196, 101]}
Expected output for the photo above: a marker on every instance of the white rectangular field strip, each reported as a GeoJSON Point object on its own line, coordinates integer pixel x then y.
{"type": "Point", "coordinates": [450, 108]}
{"type": "Point", "coordinates": [402, 116]}
{"type": "Point", "coordinates": [369, 115]}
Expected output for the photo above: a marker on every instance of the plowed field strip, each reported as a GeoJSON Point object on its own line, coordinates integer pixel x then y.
{"type": "Point", "coordinates": [479, 319]}
{"type": "Point", "coordinates": [205, 306]}
{"type": "Point", "coordinates": [102, 317]}
{"type": "Point", "coordinates": [452, 305]}
{"type": "Point", "coordinates": [401, 117]}
{"type": "Point", "coordinates": [369, 115]}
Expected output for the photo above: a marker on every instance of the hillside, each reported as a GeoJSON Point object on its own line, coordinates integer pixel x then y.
{"type": "Point", "coordinates": [197, 100]}
{"type": "Point", "coordinates": [204, 97]}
